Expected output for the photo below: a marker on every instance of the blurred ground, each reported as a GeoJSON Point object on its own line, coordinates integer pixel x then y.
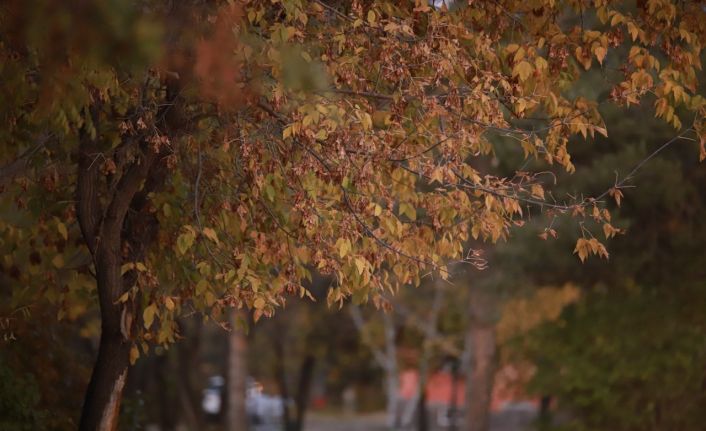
{"type": "Point", "coordinates": [509, 419]}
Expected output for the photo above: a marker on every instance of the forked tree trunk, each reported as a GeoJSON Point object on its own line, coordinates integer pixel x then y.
{"type": "Point", "coordinates": [109, 236]}
{"type": "Point", "coordinates": [236, 415]}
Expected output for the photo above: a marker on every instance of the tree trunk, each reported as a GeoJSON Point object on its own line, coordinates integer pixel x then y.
{"type": "Point", "coordinates": [102, 230]}
{"type": "Point", "coordinates": [281, 375]}
{"type": "Point", "coordinates": [423, 417]}
{"type": "Point", "coordinates": [391, 372]}
{"type": "Point", "coordinates": [545, 412]}
{"type": "Point", "coordinates": [480, 339]}
{"type": "Point", "coordinates": [453, 411]}
{"type": "Point", "coordinates": [480, 376]}
{"type": "Point", "coordinates": [236, 416]}
{"type": "Point", "coordinates": [302, 399]}
{"type": "Point", "coordinates": [102, 404]}
{"type": "Point", "coordinates": [187, 361]}
{"type": "Point", "coordinates": [105, 389]}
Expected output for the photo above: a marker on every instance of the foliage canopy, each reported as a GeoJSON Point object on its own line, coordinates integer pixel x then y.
{"type": "Point", "coordinates": [205, 155]}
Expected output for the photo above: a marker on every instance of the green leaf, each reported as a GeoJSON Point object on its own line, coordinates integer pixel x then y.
{"type": "Point", "coordinates": [270, 192]}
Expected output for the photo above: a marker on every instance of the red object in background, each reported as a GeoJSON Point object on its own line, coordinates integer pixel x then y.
{"type": "Point", "coordinates": [439, 387]}
{"type": "Point", "coordinates": [318, 403]}
{"type": "Point", "coordinates": [438, 390]}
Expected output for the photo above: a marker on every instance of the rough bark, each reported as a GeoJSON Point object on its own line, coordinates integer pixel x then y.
{"type": "Point", "coordinates": [102, 403]}
{"type": "Point", "coordinates": [102, 230]}
{"type": "Point", "coordinates": [187, 357]}
{"type": "Point", "coordinates": [236, 416]}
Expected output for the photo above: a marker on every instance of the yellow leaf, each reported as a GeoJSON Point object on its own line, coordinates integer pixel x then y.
{"type": "Point", "coordinates": [259, 303]}
{"type": "Point", "coordinates": [61, 227]}
{"type": "Point", "coordinates": [344, 246]}
{"type": "Point", "coordinates": [537, 191]}
{"type": "Point", "coordinates": [633, 30]}
{"type": "Point", "coordinates": [148, 315]}
{"type": "Point", "coordinates": [381, 119]}
{"type": "Point", "coordinates": [287, 132]}
{"type": "Point", "coordinates": [523, 70]}
{"type": "Point", "coordinates": [541, 64]}
{"type": "Point", "coordinates": [367, 121]}
{"type": "Point", "coordinates": [617, 19]}
{"type": "Point", "coordinates": [58, 261]}
{"type": "Point", "coordinates": [321, 135]}
{"type": "Point", "coordinates": [512, 48]}
{"type": "Point", "coordinates": [169, 303]}
{"type": "Point", "coordinates": [126, 267]}
{"type": "Point", "coordinates": [124, 297]}
{"type": "Point", "coordinates": [600, 53]}
{"type": "Point", "coordinates": [408, 210]}
{"type": "Point", "coordinates": [210, 299]}
{"type": "Point", "coordinates": [361, 263]}
{"type": "Point", "coordinates": [201, 287]}
{"type": "Point", "coordinates": [134, 354]}
{"type": "Point", "coordinates": [371, 17]}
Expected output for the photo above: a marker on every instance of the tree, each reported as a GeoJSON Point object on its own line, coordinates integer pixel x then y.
{"type": "Point", "coordinates": [193, 155]}
{"type": "Point", "coordinates": [622, 350]}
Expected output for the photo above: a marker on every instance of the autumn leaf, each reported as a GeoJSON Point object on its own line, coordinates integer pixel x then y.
{"type": "Point", "coordinates": [185, 241]}
{"type": "Point", "coordinates": [616, 194]}
{"type": "Point", "coordinates": [259, 303]}
{"type": "Point", "coordinates": [169, 303]}
{"type": "Point", "coordinates": [523, 70]}
{"type": "Point", "coordinates": [61, 227]}
{"type": "Point", "coordinates": [582, 248]}
{"type": "Point", "coordinates": [600, 53]}
{"type": "Point", "coordinates": [134, 355]}
{"type": "Point", "coordinates": [210, 234]}
{"type": "Point", "coordinates": [148, 315]}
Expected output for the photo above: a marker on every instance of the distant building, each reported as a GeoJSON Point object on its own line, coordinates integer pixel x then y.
{"type": "Point", "coordinates": [440, 396]}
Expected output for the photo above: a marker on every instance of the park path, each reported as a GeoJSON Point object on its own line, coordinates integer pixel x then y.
{"type": "Point", "coordinates": [506, 420]}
